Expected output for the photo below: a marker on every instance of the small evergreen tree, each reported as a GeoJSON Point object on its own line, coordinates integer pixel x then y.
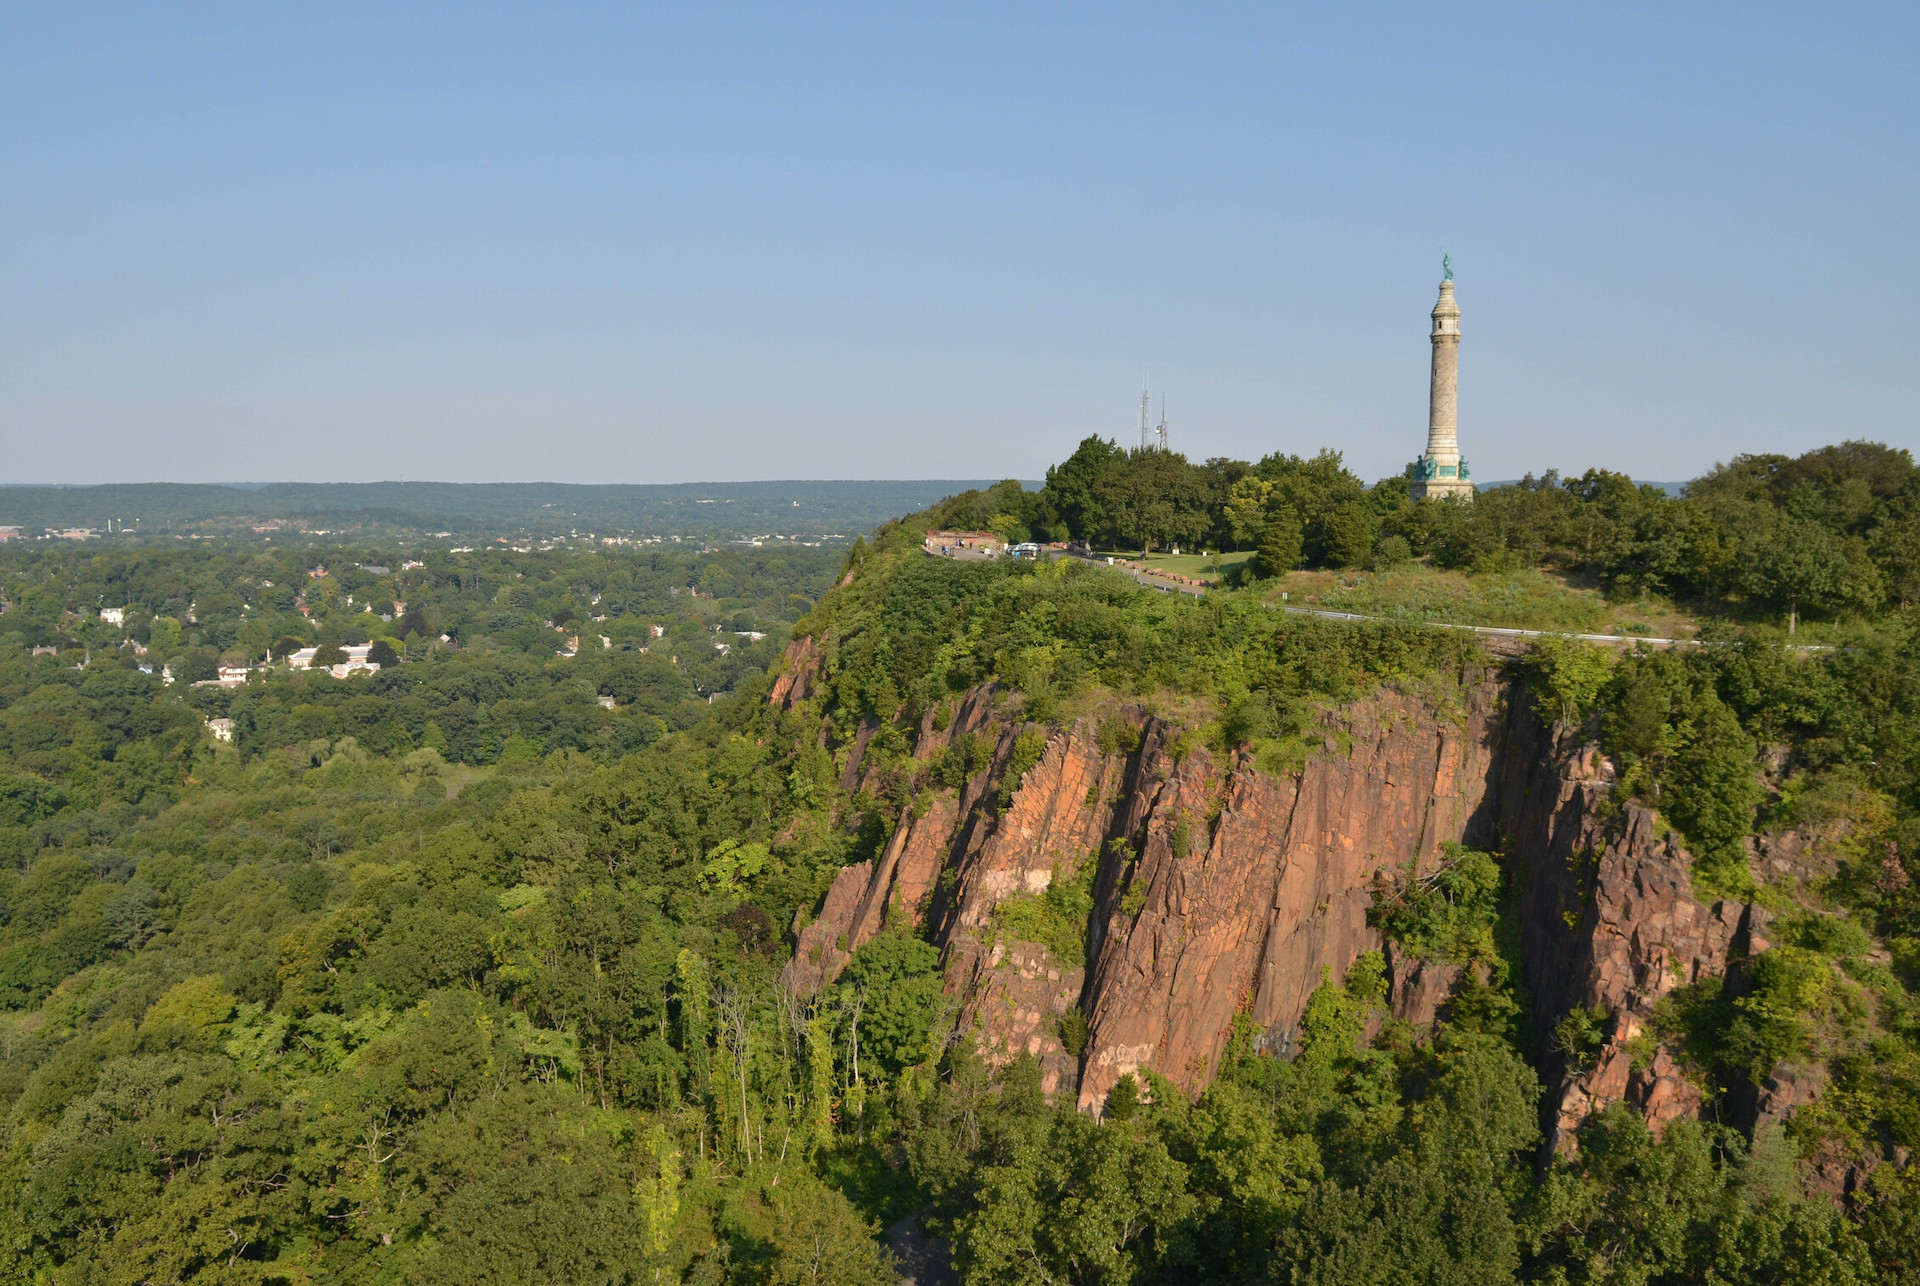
{"type": "Point", "coordinates": [1280, 543]}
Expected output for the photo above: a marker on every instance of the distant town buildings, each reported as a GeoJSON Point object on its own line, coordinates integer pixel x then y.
{"type": "Point", "coordinates": [10, 533]}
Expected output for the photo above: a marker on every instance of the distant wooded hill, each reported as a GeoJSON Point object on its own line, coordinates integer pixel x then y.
{"type": "Point", "coordinates": [711, 510]}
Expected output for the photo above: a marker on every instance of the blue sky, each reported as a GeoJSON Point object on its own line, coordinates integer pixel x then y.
{"type": "Point", "coordinates": [714, 242]}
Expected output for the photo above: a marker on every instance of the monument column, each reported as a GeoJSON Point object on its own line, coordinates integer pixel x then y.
{"type": "Point", "coordinates": [1441, 472]}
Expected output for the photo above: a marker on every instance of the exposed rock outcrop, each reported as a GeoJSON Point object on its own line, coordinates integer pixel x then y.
{"type": "Point", "coordinates": [1608, 920]}
{"type": "Point", "coordinates": [797, 671]}
{"type": "Point", "coordinates": [1248, 884]}
{"type": "Point", "coordinates": [1222, 892]}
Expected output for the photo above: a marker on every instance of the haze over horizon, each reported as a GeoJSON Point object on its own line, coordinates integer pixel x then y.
{"type": "Point", "coordinates": [748, 244]}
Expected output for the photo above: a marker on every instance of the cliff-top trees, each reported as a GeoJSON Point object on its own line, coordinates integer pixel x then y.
{"type": "Point", "coordinates": [1069, 490]}
{"type": "Point", "coordinates": [1153, 499]}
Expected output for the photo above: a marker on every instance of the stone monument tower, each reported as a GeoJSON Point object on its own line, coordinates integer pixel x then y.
{"type": "Point", "coordinates": [1441, 472]}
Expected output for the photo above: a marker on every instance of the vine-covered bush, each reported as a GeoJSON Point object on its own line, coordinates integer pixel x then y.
{"type": "Point", "coordinates": [1447, 914]}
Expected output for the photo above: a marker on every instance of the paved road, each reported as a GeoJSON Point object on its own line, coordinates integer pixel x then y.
{"type": "Point", "coordinates": [1194, 591]}
{"type": "Point", "coordinates": [1145, 578]}
{"type": "Point", "coordinates": [1497, 631]}
{"type": "Point", "coordinates": [1171, 587]}
{"type": "Point", "coordinates": [1539, 634]}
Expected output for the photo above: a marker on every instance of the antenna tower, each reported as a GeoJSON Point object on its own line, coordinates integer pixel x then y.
{"type": "Point", "coordinates": [1146, 402]}
{"type": "Point", "coordinates": [1160, 429]}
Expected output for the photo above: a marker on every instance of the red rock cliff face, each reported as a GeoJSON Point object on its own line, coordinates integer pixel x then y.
{"type": "Point", "coordinates": [1221, 890]}
{"type": "Point", "coordinates": [1608, 919]}
{"type": "Point", "coordinates": [1247, 885]}
{"type": "Point", "coordinates": [1224, 892]}
{"type": "Point", "coordinates": [1012, 993]}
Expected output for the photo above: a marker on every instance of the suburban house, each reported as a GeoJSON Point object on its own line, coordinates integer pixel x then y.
{"type": "Point", "coordinates": [114, 615]}
{"type": "Point", "coordinates": [231, 676]}
{"type": "Point", "coordinates": [356, 660]}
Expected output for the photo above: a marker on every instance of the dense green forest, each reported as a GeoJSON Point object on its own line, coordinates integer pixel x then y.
{"type": "Point", "coordinates": [452, 973]}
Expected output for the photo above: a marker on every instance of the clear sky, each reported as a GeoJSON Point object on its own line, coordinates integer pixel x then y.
{"type": "Point", "coordinates": [713, 242]}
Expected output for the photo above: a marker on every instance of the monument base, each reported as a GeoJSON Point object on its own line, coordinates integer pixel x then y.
{"type": "Point", "coordinates": [1442, 488]}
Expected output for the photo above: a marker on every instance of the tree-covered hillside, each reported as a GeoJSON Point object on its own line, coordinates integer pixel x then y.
{"type": "Point", "coordinates": [451, 973]}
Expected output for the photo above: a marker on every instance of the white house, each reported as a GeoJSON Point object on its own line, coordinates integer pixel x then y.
{"type": "Point", "coordinates": [222, 729]}
{"type": "Point", "coordinates": [356, 659]}
{"type": "Point", "coordinates": [114, 615]}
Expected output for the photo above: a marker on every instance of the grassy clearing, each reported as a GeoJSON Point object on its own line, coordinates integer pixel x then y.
{"type": "Point", "coordinates": [1206, 567]}
{"type": "Point", "coordinates": [1526, 600]}
{"type": "Point", "coordinates": [457, 777]}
